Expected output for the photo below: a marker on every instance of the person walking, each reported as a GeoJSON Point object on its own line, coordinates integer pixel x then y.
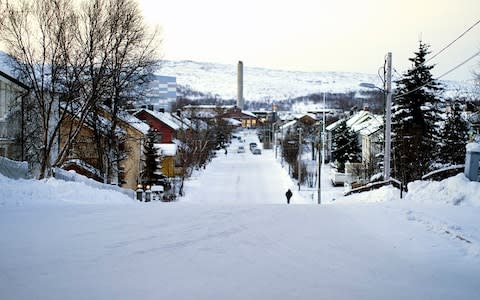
{"type": "Point", "coordinates": [288, 194]}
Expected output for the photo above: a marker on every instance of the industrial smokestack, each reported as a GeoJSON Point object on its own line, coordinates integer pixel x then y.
{"type": "Point", "coordinates": [240, 85]}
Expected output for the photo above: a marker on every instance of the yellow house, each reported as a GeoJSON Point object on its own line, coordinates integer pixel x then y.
{"type": "Point", "coordinates": [168, 154]}
{"type": "Point", "coordinates": [85, 160]}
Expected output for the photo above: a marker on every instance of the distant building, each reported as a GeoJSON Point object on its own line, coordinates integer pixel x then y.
{"type": "Point", "coordinates": [159, 93]}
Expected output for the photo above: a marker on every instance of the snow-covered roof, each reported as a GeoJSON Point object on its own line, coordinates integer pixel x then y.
{"type": "Point", "coordinates": [334, 125]}
{"type": "Point", "coordinates": [358, 118]}
{"type": "Point", "coordinates": [206, 106]}
{"type": "Point", "coordinates": [233, 122]}
{"type": "Point", "coordinates": [134, 122]}
{"type": "Point", "coordinates": [374, 124]}
{"type": "Point", "coordinates": [163, 117]}
{"type": "Point", "coordinates": [363, 120]}
{"type": "Point", "coordinates": [166, 149]}
{"type": "Point", "coordinates": [288, 124]}
{"type": "Point", "coordinates": [311, 115]}
{"type": "Point", "coordinates": [183, 123]}
{"type": "Point", "coordinates": [249, 113]}
{"type": "Point", "coordinates": [5, 63]}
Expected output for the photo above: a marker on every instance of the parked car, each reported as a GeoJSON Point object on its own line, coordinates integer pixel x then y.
{"type": "Point", "coordinates": [256, 151]}
{"type": "Point", "coordinates": [241, 149]}
{"type": "Point", "coordinates": [253, 146]}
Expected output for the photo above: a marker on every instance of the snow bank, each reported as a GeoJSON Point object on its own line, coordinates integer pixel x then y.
{"type": "Point", "coordinates": [456, 190]}
{"type": "Point", "coordinates": [385, 193]}
{"type": "Point", "coordinates": [55, 192]}
{"type": "Point", "coordinates": [13, 169]}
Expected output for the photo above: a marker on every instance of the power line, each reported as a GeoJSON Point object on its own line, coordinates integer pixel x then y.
{"type": "Point", "coordinates": [458, 66]}
{"type": "Point", "coordinates": [444, 74]}
{"type": "Point", "coordinates": [446, 47]}
{"type": "Point", "coordinates": [451, 43]}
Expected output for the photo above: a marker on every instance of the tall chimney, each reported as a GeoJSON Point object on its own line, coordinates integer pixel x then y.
{"type": "Point", "coordinates": [240, 85]}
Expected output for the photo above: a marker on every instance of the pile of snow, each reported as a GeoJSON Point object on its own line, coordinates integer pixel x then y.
{"type": "Point", "coordinates": [456, 190]}
{"type": "Point", "coordinates": [55, 192]}
{"type": "Point", "coordinates": [385, 193]}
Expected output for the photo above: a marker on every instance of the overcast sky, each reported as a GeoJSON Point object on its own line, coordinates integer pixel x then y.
{"type": "Point", "coordinates": [318, 35]}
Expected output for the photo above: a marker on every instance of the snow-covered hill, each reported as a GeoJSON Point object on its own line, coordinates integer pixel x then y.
{"type": "Point", "coordinates": [267, 84]}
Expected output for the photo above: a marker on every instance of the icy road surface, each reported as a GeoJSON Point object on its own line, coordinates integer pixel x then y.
{"type": "Point", "coordinates": [234, 237]}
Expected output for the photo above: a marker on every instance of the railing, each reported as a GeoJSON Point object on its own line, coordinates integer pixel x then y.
{"type": "Point", "coordinates": [444, 173]}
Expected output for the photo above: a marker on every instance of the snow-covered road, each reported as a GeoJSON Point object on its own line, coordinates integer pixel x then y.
{"type": "Point", "coordinates": [233, 237]}
{"type": "Point", "coordinates": [241, 178]}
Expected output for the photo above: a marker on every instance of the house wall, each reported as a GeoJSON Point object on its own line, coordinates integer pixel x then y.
{"type": "Point", "coordinates": [10, 119]}
{"type": "Point", "coordinates": [83, 150]}
{"type": "Point", "coordinates": [133, 164]}
{"type": "Point", "coordinates": [167, 133]}
{"type": "Point", "coordinates": [168, 166]}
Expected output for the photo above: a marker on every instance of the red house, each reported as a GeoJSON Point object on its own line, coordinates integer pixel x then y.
{"type": "Point", "coordinates": [163, 123]}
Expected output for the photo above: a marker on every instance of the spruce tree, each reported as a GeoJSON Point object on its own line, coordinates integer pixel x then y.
{"type": "Point", "coordinates": [416, 114]}
{"type": "Point", "coordinates": [151, 170]}
{"type": "Point", "coordinates": [454, 136]}
{"type": "Point", "coordinates": [345, 146]}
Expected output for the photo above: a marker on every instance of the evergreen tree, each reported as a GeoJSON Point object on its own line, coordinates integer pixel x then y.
{"type": "Point", "coordinates": [454, 136]}
{"type": "Point", "coordinates": [416, 115]}
{"type": "Point", "coordinates": [151, 171]}
{"type": "Point", "coordinates": [345, 146]}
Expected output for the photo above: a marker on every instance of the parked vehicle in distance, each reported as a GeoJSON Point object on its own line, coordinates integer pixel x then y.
{"type": "Point", "coordinates": [253, 146]}
{"type": "Point", "coordinates": [257, 151]}
{"type": "Point", "coordinates": [241, 149]}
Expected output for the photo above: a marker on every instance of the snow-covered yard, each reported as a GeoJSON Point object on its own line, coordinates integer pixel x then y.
{"type": "Point", "coordinates": [234, 237]}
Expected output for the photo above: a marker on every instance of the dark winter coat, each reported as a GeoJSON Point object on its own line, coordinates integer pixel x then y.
{"type": "Point", "coordinates": [288, 194]}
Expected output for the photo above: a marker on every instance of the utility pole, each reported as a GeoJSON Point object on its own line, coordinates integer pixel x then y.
{"type": "Point", "coordinates": [388, 118]}
{"type": "Point", "coordinates": [274, 139]}
{"type": "Point", "coordinates": [299, 156]}
{"type": "Point", "coordinates": [323, 132]}
{"type": "Point", "coordinates": [320, 163]}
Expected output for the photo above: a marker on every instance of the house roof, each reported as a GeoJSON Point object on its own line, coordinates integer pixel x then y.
{"type": "Point", "coordinates": [163, 117]}
{"type": "Point", "coordinates": [233, 122]}
{"type": "Point", "coordinates": [134, 122]}
{"type": "Point", "coordinates": [7, 72]}
{"type": "Point", "coordinates": [358, 118]}
{"type": "Point", "coordinates": [373, 125]}
{"type": "Point", "coordinates": [166, 149]}
{"type": "Point", "coordinates": [363, 120]}
{"type": "Point", "coordinates": [288, 124]}
{"type": "Point", "coordinates": [249, 113]}
{"type": "Point", "coordinates": [334, 125]}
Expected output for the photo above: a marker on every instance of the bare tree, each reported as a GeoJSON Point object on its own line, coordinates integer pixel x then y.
{"type": "Point", "coordinates": [78, 62]}
{"type": "Point", "coordinates": [195, 148]}
{"type": "Point", "coordinates": [131, 59]}
{"type": "Point", "coordinates": [37, 35]}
